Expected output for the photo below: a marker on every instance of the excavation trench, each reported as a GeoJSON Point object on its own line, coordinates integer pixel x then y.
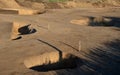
{"type": "Point", "coordinates": [97, 21]}
{"type": "Point", "coordinates": [13, 31]}
{"type": "Point", "coordinates": [21, 11]}
{"type": "Point", "coordinates": [21, 28]}
{"type": "Point", "coordinates": [51, 61]}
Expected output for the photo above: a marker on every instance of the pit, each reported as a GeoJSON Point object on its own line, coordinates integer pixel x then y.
{"type": "Point", "coordinates": [51, 61]}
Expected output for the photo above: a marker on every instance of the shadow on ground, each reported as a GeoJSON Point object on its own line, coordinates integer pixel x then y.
{"type": "Point", "coordinates": [106, 61]}
{"type": "Point", "coordinates": [26, 30]}
{"type": "Point", "coordinates": [69, 62]}
{"type": "Point", "coordinates": [104, 21]}
{"type": "Point", "coordinates": [103, 60]}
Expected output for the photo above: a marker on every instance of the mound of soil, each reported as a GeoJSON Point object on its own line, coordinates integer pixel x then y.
{"type": "Point", "coordinates": [26, 7]}
{"type": "Point", "coordinates": [9, 4]}
{"type": "Point", "coordinates": [81, 21]}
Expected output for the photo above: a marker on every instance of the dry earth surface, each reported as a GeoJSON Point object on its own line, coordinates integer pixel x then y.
{"type": "Point", "coordinates": [97, 47]}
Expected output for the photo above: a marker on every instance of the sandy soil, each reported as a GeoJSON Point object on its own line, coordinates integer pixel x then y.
{"type": "Point", "coordinates": [100, 45]}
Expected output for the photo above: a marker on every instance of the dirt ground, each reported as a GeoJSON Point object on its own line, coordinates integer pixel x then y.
{"type": "Point", "coordinates": [98, 47]}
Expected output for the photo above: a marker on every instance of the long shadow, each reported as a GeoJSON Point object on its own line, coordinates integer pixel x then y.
{"type": "Point", "coordinates": [103, 60]}
{"type": "Point", "coordinates": [115, 21]}
{"type": "Point", "coordinates": [104, 21]}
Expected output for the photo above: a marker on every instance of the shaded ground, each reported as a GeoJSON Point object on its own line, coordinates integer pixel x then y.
{"type": "Point", "coordinates": [100, 45]}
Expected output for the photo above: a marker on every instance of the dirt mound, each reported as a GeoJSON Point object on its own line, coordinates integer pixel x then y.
{"type": "Point", "coordinates": [23, 11]}
{"type": "Point", "coordinates": [100, 3]}
{"type": "Point", "coordinates": [9, 4]}
{"type": "Point", "coordinates": [90, 3]}
{"type": "Point", "coordinates": [38, 4]}
{"type": "Point", "coordinates": [81, 21]}
{"type": "Point", "coordinates": [68, 4]}
{"type": "Point", "coordinates": [41, 5]}
{"type": "Point", "coordinates": [30, 11]}
{"type": "Point", "coordinates": [24, 8]}
{"type": "Point", "coordinates": [31, 4]}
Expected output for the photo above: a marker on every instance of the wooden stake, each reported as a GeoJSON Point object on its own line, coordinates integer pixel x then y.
{"type": "Point", "coordinates": [79, 45]}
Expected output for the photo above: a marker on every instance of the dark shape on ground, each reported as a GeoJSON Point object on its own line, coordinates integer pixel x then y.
{"type": "Point", "coordinates": [104, 60]}
{"type": "Point", "coordinates": [115, 21]}
{"type": "Point", "coordinates": [104, 21]}
{"type": "Point", "coordinates": [67, 63]}
{"type": "Point", "coordinates": [26, 30]}
{"type": "Point", "coordinates": [19, 37]}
